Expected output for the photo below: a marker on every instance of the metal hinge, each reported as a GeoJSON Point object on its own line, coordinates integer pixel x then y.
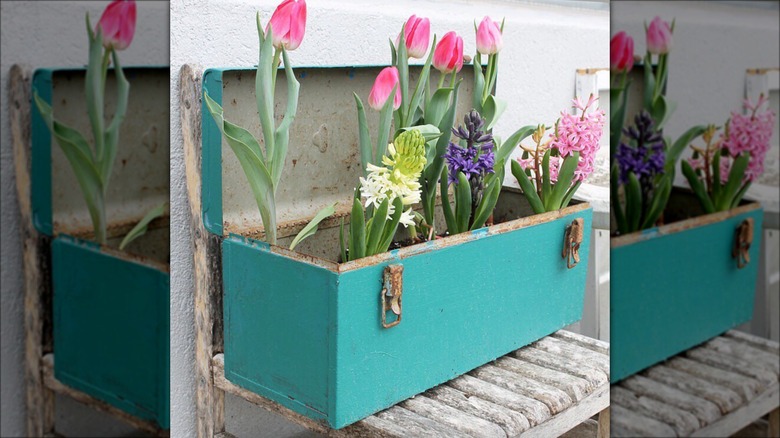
{"type": "Point", "coordinates": [392, 289]}
{"type": "Point", "coordinates": [572, 238]}
{"type": "Point", "coordinates": [743, 238]}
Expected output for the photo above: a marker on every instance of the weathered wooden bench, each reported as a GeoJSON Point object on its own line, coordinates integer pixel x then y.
{"type": "Point", "coordinates": [715, 389]}
{"type": "Point", "coordinates": [542, 390]}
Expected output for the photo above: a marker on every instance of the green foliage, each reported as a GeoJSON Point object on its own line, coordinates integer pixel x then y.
{"type": "Point", "coordinates": [311, 227]}
{"type": "Point", "coordinates": [141, 227]}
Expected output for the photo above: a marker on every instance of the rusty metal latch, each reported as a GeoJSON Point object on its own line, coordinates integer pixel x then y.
{"type": "Point", "coordinates": [572, 238]}
{"type": "Point", "coordinates": [743, 238]}
{"type": "Point", "coordinates": [392, 289]}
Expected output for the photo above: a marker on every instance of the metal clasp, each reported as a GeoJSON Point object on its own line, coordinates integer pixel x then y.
{"type": "Point", "coordinates": [743, 238]}
{"type": "Point", "coordinates": [392, 289]}
{"type": "Point", "coordinates": [572, 238]}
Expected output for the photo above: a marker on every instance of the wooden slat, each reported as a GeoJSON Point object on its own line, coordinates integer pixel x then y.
{"type": "Point", "coordinates": [535, 411]}
{"type": "Point", "coordinates": [575, 352]}
{"type": "Point", "coordinates": [583, 341]}
{"type": "Point", "coordinates": [683, 422]}
{"type": "Point", "coordinates": [726, 399]}
{"type": "Point", "coordinates": [570, 418]}
{"type": "Point", "coordinates": [746, 387]}
{"type": "Point", "coordinates": [704, 410]}
{"type": "Point", "coordinates": [554, 398]}
{"type": "Point", "coordinates": [743, 350]}
{"type": "Point", "coordinates": [734, 422]}
{"type": "Point", "coordinates": [767, 345]}
{"type": "Point", "coordinates": [452, 417]}
{"type": "Point", "coordinates": [416, 425]}
{"type": "Point", "coordinates": [36, 261]}
{"type": "Point", "coordinates": [207, 263]}
{"type": "Point", "coordinates": [47, 367]}
{"type": "Point", "coordinates": [577, 388]}
{"type": "Point", "coordinates": [513, 423]}
{"type": "Point", "coordinates": [627, 423]}
{"type": "Point", "coordinates": [734, 364]}
{"type": "Point", "coordinates": [561, 363]}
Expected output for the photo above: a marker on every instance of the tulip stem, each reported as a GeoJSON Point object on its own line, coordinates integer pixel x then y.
{"type": "Point", "coordinates": [275, 68]}
{"type": "Point", "coordinates": [441, 80]}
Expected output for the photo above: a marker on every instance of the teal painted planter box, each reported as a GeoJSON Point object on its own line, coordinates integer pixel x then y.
{"type": "Point", "coordinates": [111, 327]}
{"type": "Point", "coordinates": [676, 286]}
{"type": "Point", "coordinates": [110, 308]}
{"type": "Point", "coordinates": [307, 332]}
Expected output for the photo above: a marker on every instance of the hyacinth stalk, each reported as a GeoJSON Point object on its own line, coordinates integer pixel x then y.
{"type": "Point", "coordinates": [721, 172]}
{"type": "Point", "coordinates": [551, 172]}
{"type": "Point", "coordinates": [263, 168]}
{"type": "Point", "coordinates": [93, 165]}
{"type": "Point", "coordinates": [389, 190]}
{"type": "Point", "coordinates": [643, 173]}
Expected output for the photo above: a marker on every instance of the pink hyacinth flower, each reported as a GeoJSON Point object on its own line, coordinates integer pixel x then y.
{"type": "Point", "coordinates": [417, 33]}
{"type": "Point", "coordinates": [489, 38]}
{"type": "Point", "coordinates": [659, 36]}
{"type": "Point", "coordinates": [580, 133]}
{"type": "Point", "coordinates": [383, 86]}
{"type": "Point", "coordinates": [118, 24]}
{"type": "Point", "coordinates": [288, 24]}
{"type": "Point", "coordinates": [621, 52]}
{"type": "Point", "coordinates": [750, 133]}
{"type": "Point", "coordinates": [448, 55]}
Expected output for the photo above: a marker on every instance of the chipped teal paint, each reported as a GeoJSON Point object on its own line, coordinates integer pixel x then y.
{"type": "Point", "coordinates": [40, 172]}
{"type": "Point", "coordinates": [672, 292]}
{"type": "Point", "coordinates": [310, 338]}
{"type": "Point", "coordinates": [111, 328]}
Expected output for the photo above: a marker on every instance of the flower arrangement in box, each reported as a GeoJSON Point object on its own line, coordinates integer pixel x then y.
{"type": "Point", "coordinates": [93, 165]}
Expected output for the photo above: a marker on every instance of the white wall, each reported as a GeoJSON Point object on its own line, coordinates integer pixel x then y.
{"type": "Point", "coordinates": [544, 45]}
{"type": "Point", "coordinates": [50, 34]}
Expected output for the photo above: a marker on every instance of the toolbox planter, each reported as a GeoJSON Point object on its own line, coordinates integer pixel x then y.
{"type": "Point", "coordinates": [337, 342]}
{"type": "Point", "coordinates": [309, 333]}
{"type": "Point", "coordinates": [678, 285]}
{"type": "Point", "coordinates": [110, 308]}
{"type": "Point", "coordinates": [111, 329]}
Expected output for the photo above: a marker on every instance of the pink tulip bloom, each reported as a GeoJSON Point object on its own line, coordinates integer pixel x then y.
{"type": "Point", "coordinates": [659, 37]}
{"type": "Point", "coordinates": [448, 56]}
{"type": "Point", "coordinates": [288, 24]}
{"type": "Point", "coordinates": [383, 86]}
{"type": "Point", "coordinates": [417, 33]}
{"type": "Point", "coordinates": [621, 52]}
{"type": "Point", "coordinates": [118, 24]}
{"type": "Point", "coordinates": [489, 40]}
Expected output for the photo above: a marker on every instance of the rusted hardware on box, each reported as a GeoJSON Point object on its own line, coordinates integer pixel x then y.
{"type": "Point", "coordinates": [392, 290]}
{"type": "Point", "coordinates": [743, 238]}
{"type": "Point", "coordinates": [572, 239]}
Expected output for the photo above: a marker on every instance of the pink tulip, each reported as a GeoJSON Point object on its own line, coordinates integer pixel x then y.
{"type": "Point", "coordinates": [417, 33]}
{"type": "Point", "coordinates": [288, 24]}
{"type": "Point", "coordinates": [489, 40]}
{"type": "Point", "coordinates": [383, 86]}
{"type": "Point", "coordinates": [659, 37]}
{"type": "Point", "coordinates": [621, 52]}
{"type": "Point", "coordinates": [448, 56]}
{"type": "Point", "coordinates": [118, 24]}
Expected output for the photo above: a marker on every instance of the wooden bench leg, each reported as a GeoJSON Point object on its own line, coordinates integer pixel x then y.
{"type": "Point", "coordinates": [773, 431]}
{"type": "Point", "coordinates": [603, 430]}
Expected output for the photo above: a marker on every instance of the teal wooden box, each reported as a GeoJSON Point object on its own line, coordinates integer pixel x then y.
{"type": "Point", "coordinates": [111, 329]}
{"type": "Point", "coordinates": [110, 308]}
{"type": "Point", "coordinates": [306, 331]}
{"type": "Point", "coordinates": [676, 286]}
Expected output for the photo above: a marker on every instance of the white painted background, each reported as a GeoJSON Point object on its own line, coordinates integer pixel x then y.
{"type": "Point", "coordinates": [544, 46]}
{"type": "Point", "coordinates": [50, 34]}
